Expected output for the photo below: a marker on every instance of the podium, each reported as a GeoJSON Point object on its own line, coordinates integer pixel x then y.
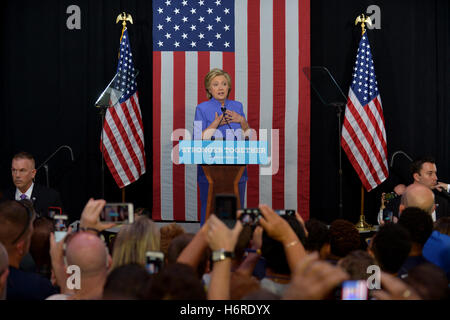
{"type": "Point", "coordinates": [223, 179]}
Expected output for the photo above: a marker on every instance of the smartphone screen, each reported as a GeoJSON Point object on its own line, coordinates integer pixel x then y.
{"type": "Point", "coordinates": [285, 212]}
{"type": "Point", "coordinates": [52, 211]}
{"type": "Point", "coordinates": [354, 290]}
{"type": "Point", "coordinates": [225, 209]}
{"type": "Point", "coordinates": [154, 261]}
{"type": "Point", "coordinates": [119, 213]}
{"type": "Point", "coordinates": [60, 222]}
{"type": "Point", "coordinates": [387, 215]}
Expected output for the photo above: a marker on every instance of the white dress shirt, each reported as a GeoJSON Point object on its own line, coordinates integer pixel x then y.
{"type": "Point", "coordinates": [27, 193]}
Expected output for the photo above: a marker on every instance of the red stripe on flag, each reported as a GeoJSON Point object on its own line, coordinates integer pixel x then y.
{"type": "Point", "coordinates": [135, 133]}
{"type": "Point", "coordinates": [304, 114]}
{"type": "Point", "coordinates": [253, 58]}
{"type": "Point", "coordinates": [360, 123]}
{"type": "Point", "coordinates": [361, 150]}
{"type": "Point", "coordinates": [125, 139]}
{"type": "Point", "coordinates": [228, 66]}
{"type": "Point", "coordinates": [356, 165]}
{"type": "Point", "coordinates": [117, 151]}
{"type": "Point", "coordinates": [203, 69]}
{"type": "Point", "coordinates": [112, 168]}
{"type": "Point", "coordinates": [156, 212]}
{"type": "Point", "coordinates": [179, 86]}
{"type": "Point", "coordinates": [380, 112]}
{"type": "Point", "coordinates": [279, 96]}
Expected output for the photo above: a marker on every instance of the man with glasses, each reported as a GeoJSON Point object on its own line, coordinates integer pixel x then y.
{"type": "Point", "coordinates": [23, 172]}
{"type": "Point", "coordinates": [16, 228]}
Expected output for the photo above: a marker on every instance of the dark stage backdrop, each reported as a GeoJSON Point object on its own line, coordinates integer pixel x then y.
{"type": "Point", "coordinates": [51, 77]}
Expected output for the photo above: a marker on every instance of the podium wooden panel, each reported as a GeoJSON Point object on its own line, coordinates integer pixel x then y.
{"type": "Point", "coordinates": [223, 179]}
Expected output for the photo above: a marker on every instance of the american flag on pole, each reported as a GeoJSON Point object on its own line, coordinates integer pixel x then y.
{"type": "Point", "coordinates": [363, 133]}
{"type": "Point", "coordinates": [123, 132]}
{"type": "Point", "coordinates": [264, 46]}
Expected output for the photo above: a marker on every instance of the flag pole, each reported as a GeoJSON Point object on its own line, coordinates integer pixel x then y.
{"type": "Point", "coordinates": [124, 18]}
{"type": "Point", "coordinates": [362, 225]}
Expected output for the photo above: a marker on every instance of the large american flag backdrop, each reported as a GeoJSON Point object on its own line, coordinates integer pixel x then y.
{"type": "Point", "coordinates": [363, 133]}
{"type": "Point", "coordinates": [264, 45]}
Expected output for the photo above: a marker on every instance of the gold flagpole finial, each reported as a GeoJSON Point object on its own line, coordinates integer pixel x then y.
{"type": "Point", "coordinates": [124, 18]}
{"type": "Point", "coordinates": [363, 20]}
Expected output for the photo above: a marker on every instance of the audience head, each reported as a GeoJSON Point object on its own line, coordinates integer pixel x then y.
{"type": "Point", "coordinates": [134, 240]}
{"type": "Point", "coordinates": [400, 189]}
{"type": "Point", "coordinates": [16, 228]}
{"type": "Point", "coordinates": [424, 171]}
{"type": "Point", "coordinates": [273, 251]}
{"type": "Point", "coordinates": [417, 195]}
{"type": "Point", "coordinates": [356, 264]}
{"type": "Point", "coordinates": [178, 244]}
{"type": "Point", "coordinates": [344, 238]}
{"type": "Point", "coordinates": [87, 251]}
{"type": "Point", "coordinates": [23, 170]}
{"type": "Point", "coordinates": [391, 246]}
{"type": "Point", "coordinates": [4, 271]}
{"type": "Point", "coordinates": [318, 237]}
{"type": "Point", "coordinates": [40, 245]}
{"type": "Point", "coordinates": [418, 223]}
{"type": "Point", "coordinates": [176, 282]}
{"type": "Point", "coordinates": [126, 282]}
{"type": "Point", "coordinates": [429, 281]}
{"type": "Point", "coordinates": [443, 225]}
{"type": "Point", "coordinates": [168, 233]}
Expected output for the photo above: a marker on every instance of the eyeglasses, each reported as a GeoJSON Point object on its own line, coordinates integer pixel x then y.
{"type": "Point", "coordinates": [29, 218]}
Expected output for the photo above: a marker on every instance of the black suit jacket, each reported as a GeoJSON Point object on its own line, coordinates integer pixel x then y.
{"type": "Point", "coordinates": [42, 198]}
{"type": "Point", "coordinates": [441, 199]}
{"type": "Point", "coordinates": [442, 202]}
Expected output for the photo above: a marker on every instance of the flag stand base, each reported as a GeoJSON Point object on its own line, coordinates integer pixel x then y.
{"type": "Point", "coordinates": [362, 225]}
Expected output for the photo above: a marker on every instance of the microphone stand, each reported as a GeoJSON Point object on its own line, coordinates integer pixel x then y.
{"type": "Point", "coordinates": [44, 164]}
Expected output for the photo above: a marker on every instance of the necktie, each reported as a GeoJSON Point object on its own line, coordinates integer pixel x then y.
{"type": "Point", "coordinates": [23, 196]}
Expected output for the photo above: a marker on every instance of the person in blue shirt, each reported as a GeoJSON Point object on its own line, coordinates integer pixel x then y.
{"type": "Point", "coordinates": [218, 118]}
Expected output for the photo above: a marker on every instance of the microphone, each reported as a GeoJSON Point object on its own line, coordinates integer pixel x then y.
{"type": "Point", "coordinates": [224, 109]}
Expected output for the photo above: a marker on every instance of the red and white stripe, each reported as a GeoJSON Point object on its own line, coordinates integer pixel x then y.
{"type": "Point", "coordinates": [123, 141]}
{"type": "Point", "coordinates": [271, 50]}
{"type": "Point", "coordinates": [364, 140]}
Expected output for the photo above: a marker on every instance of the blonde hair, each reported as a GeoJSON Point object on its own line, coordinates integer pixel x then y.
{"type": "Point", "coordinates": [211, 75]}
{"type": "Point", "coordinates": [133, 241]}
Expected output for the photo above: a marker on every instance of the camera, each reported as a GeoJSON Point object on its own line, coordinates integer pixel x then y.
{"type": "Point", "coordinates": [389, 196]}
{"type": "Point", "coordinates": [154, 261]}
{"type": "Point", "coordinates": [225, 209]}
{"type": "Point", "coordinates": [250, 216]}
{"type": "Point", "coordinates": [119, 213]}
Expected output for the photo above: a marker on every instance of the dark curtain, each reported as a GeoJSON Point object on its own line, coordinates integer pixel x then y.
{"type": "Point", "coordinates": [411, 57]}
{"type": "Point", "coordinates": [51, 77]}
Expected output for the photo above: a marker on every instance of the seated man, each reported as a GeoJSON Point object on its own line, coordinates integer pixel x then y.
{"type": "Point", "coordinates": [23, 172]}
{"type": "Point", "coordinates": [424, 173]}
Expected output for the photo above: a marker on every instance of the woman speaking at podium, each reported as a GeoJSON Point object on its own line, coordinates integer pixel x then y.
{"type": "Point", "coordinates": [218, 114]}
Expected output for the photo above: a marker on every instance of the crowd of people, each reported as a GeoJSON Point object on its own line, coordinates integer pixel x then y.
{"type": "Point", "coordinates": [280, 257]}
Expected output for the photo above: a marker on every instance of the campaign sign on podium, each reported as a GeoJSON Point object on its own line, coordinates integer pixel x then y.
{"type": "Point", "coordinates": [223, 152]}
